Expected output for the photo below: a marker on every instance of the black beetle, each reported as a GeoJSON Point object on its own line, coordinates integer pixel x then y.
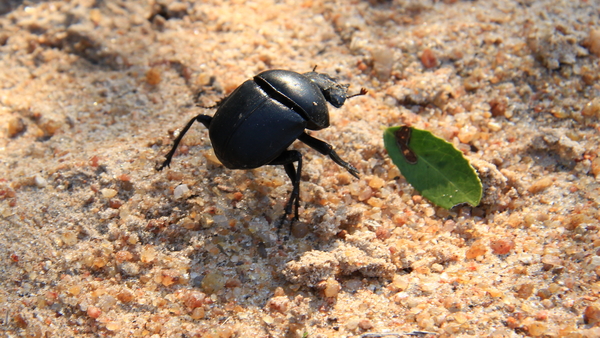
{"type": "Point", "coordinates": [255, 124]}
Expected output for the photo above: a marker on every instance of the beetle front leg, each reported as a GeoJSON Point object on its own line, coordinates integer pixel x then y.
{"type": "Point", "coordinates": [326, 149]}
{"type": "Point", "coordinates": [287, 159]}
{"type": "Point", "coordinates": [204, 119]}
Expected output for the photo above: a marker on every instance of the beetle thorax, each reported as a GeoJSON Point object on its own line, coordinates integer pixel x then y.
{"type": "Point", "coordinates": [297, 92]}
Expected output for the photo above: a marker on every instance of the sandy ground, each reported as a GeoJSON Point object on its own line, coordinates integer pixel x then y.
{"type": "Point", "coordinates": [94, 242]}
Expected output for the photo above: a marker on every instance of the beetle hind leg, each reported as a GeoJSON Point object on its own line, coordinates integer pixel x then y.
{"type": "Point", "coordinates": [204, 119]}
{"type": "Point", "coordinates": [326, 149]}
{"type": "Point", "coordinates": [287, 159]}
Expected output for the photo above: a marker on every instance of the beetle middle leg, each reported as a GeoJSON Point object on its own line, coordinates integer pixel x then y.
{"type": "Point", "coordinates": [326, 149]}
{"type": "Point", "coordinates": [204, 119]}
{"type": "Point", "coordinates": [287, 159]}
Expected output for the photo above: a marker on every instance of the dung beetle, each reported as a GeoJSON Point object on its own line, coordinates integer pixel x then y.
{"type": "Point", "coordinates": [260, 119]}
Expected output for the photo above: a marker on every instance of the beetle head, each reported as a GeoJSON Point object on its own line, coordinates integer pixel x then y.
{"type": "Point", "coordinates": [334, 92]}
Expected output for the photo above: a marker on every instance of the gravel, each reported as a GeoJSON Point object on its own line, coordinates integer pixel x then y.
{"type": "Point", "coordinates": [95, 242]}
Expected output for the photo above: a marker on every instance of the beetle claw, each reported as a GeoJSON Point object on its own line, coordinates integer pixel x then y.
{"type": "Point", "coordinates": [363, 91]}
{"type": "Point", "coordinates": [353, 171]}
{"type": "Point", "coordinates": [166, 163]}
{"type": "Point", "coordinates": [282, 220]}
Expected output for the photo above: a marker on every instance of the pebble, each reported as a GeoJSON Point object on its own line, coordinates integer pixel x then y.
{"type": "Point", "coordinates": [428, 58]}
{"type": "Point", "coordinates": [180, 190]}
{"type": "Point", "coordinates": [594, 263]}
{"type": "Point", "coordinates": [502, 246]}
{"type": "Point", "coordinates": [540, 185]}
{"type": "Point", "coordinates": [352, 324]}
{"type": "Point", "coordinates": [525, 290]}
{"type": "Point", "coordinates": [498, 106]}
{"type": "Point", "coordinates": [544, 294]}
{"type": "Point", "coordinates": [69, 238]}
{"type": "Point", "coordinates": [592, 108]}
{"type": "Point", "coordinates": [468, 133]}
{"type": "Point", "coordinates": [300, 229]}
{"type": "Point", "coordinates": [268, 320]}
{"type": "Point", "coordinates": [494, 126]}
{"type": "Point", "coordinates": [365, 324]}
{"type": "Point", "coordinates": [365, 194]}
{"type": "Point", "coordinates": [477, 249]}
{"type": "Point", "coordinates": [129, 269]}
{"type": "Point", "coordinates": [153, 76]}
{"type": "Point", "coordinates": [595, 167]}
{"type": "Point", "coordinates": [125, 296]}
{"type": "Point", "coordinates": [113, 326]}
{"type": "Point", "coordinates": [383, 62]}
{"type": "Point", "coordinates": [94, 312]}
{"type": "Point", "coordinates": [15, 126]}
{"type": "Point", "coordinates": [40, 182]}
{"type": "Point", "coordinates": [280, 304]}
{"type": "Point", "coordinates": [198, 313]}
{"type": "Point", "coordinates": [108, 193]}
{"type": "Point", "coordinates": [400, 297]}
{"type": "Point", "coordinates": [213, 282]}
{"type": "Point", "coordinates": [591, 315]}
{"type": "Point", "coordinates": [332, 288]}
{"type": "Point", "coordinates": [537, 329]}
{"type": "Point", "coordinates": [148, 254]}
{"type": "Point", "coordinates": [437, 268]}
{"type": "Point", "coordinates": [376, 182]}
{"type": "Point", "coordinates": [594, 41]}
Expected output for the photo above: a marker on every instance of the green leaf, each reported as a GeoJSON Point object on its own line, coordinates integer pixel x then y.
{"type": "Point", "coordinates": [433, 166]}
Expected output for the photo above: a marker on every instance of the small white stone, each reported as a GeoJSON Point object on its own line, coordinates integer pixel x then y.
{"type": "Point", "coordinates": [109, 193]}
{"type": "Point", "coordinates": [494, 126]}
{"type": "Point", "coordinates": [180, 190]}
{"type": "Point", "coordinates": [40, 182]}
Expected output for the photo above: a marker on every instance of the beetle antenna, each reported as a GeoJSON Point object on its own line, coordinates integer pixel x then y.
{"type": "Point", "coordinates": [314, 68]}
{"type": "Point", "coordinates": [363, 91]}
